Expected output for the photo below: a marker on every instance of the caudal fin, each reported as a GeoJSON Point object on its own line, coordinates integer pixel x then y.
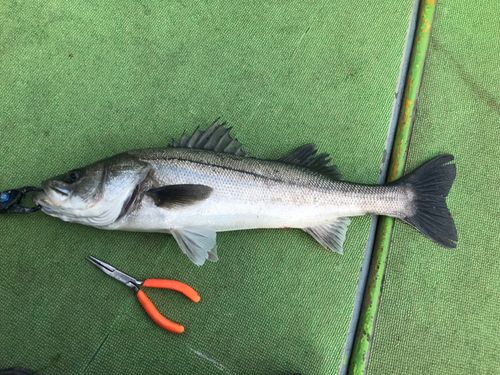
{"type": "Point", "coordinates": [431, 184]}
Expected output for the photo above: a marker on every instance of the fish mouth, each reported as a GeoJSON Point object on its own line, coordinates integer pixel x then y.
{"type": "Point", "coordinates": [47, 210]}
{"type": "Point", "coordinates": [45, 198]}
{"type": "Point", "coordinates": [62, 191]}
{"type": "Point", "coordinates": [51, 193]}
{"type": "Point", "coordinates": [41, 199]}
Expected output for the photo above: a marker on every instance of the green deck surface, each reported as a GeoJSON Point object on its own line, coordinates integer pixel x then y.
{"type": "Point", "coordinates": [440, 308]}
{"type": "Point", "coordinates": [83, 80]}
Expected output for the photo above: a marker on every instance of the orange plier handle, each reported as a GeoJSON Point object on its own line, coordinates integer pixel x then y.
{"type": "Point", "coordinates": [151, 309]}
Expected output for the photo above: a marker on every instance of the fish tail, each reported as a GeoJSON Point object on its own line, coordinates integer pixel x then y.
{"type": "Point", "coordinates": [430, 184]}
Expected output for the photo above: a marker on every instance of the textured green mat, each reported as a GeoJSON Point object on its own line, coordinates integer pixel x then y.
{"type": "Point", "coordinates": [83, 80]}
{"type": "Point", "coordinates": [440, 308]}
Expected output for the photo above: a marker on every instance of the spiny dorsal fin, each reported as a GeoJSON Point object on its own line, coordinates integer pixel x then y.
{"type": "Point", "coordinates": [304, 156]}
{"type": "Point", "coordinates": [215, 138]}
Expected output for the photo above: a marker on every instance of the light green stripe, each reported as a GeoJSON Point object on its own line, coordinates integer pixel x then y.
{"type": "Point", "coordinates": [364, 336]}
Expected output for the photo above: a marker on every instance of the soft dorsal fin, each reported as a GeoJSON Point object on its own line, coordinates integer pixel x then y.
{"type": "Point", "coordinates": [304, 156]}
{"type": "Point", "coordinates": [215, 138]}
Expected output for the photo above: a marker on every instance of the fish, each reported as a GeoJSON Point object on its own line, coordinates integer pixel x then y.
{"type": "Point", "coordinates": [205, 183]}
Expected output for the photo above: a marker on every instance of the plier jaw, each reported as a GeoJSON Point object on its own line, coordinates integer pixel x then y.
{"type": "Point", "coordinates": [109, 270]}
{"type": "Point", "coordinates": [10, 201]}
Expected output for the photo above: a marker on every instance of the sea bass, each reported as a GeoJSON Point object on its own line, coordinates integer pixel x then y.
{"type": "Point", "coordinates": [205, 184]}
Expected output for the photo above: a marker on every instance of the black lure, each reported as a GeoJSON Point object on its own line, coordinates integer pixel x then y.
{"type": "Point", "coordinates": [10, 201]}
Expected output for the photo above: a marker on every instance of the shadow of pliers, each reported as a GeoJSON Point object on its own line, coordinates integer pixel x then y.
{"type": "Point", "coordinates": [10, 201]}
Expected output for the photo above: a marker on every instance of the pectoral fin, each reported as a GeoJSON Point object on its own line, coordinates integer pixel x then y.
{"type": "Point", "coordinates": [332, 234]}
{"type": "Point", "coordinates": [198, 243]}
{"type": "Point", "coordinates": [175, 196]}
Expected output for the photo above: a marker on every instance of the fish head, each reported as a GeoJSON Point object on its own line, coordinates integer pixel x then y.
{"type": "Point", "coordinates": [95, 195]}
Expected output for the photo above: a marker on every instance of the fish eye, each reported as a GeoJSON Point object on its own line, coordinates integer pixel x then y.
{"type": "Point", "coordinates": [73, 176]}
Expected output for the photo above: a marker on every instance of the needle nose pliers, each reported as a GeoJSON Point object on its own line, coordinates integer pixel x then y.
{"type": "Point", "coordinates": [150, 283]}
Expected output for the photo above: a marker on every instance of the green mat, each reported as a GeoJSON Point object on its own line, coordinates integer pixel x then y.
{"type": "Point", "coordinates": [83, 80]}
{"type": "Point", "coordinates": [440, 308]}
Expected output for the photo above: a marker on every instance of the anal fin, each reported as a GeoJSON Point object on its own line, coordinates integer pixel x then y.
{"type": "Point", "coordinates": [198, 243]}
{"type": "Point", "coordinates": [332, 234]}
